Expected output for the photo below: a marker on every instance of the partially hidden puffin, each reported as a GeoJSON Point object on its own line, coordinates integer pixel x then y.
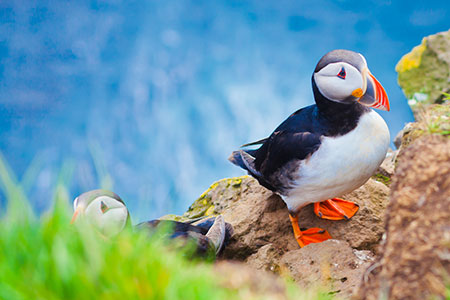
{"type": "Point", "coordinates": [325, 150]}
{"type": "Point", "coordinates": [107, 212]}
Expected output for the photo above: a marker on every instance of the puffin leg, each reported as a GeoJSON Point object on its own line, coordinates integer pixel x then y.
{"type": "Point", "coordinates": [335, 209]}
{"type": "Point", "coordinates": [311, 235]}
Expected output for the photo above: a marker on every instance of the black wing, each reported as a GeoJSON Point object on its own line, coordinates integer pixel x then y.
{"type": "Point", "coordinates": [275, 163]}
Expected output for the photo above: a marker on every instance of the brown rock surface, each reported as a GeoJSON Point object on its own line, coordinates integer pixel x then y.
{"type": "Point", "coordinates": [435, 119]}
{"type": "Point", "coordinates": [259, 217]}
{"type": "Point", "coordinates": [263, 234]}
{"type": "Point", "coordinates": [251, 284]}
{"type": "Point", "coordinates": [415, 256]}
{"type": "Point", "coordinates": [333, 264]}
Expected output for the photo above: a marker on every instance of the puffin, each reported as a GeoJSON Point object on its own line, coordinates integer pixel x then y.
{"type": "Point", "coordinates": [107, 212]}
{"type": "Point", "coordinates": [325, 150]}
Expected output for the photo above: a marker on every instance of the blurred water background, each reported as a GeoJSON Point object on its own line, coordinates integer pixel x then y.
{"type": "Point", "coordinates": [149, 98]}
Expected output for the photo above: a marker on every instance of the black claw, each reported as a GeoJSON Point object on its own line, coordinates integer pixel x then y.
{"type": "Point", "coordinates": [320, 214]}
{"type": "Point", "coordinates": [347, 218]}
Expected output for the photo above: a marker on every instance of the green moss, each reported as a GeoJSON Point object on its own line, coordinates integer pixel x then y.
{"type": "Point", "coordinates": [236, 181]}
{"type": "Point", "coordinates": [411, 60]}
{"type": "Point", "coordinates": [210, 210]}
{"type": "Point", "coordinates": [199, 207]}
{"type": "Point", "coordinates": [175, 218]}
{"type": "Point", "coordinates": [382, 178]}
{"type": "Point", "coordinates": [422, 76]}
{"type": "Point", "coordinates": [203, 205]}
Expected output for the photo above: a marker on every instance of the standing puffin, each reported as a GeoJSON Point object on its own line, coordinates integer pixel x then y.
{"type": "Point", "coordinates": [107, 212]}
{"type": "Point", "coordinates": [324, 150]}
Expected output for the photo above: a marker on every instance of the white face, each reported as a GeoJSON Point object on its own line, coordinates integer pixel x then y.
{"type": "Point", "coordinates": [337, 81]}
{"type": "Point", "coordinates": [75, 203]}
{"type": "Point", "coordinates": [107, 214]}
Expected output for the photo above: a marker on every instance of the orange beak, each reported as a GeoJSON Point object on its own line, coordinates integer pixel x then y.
{"type": "Point", "coordinates": [375, 95]}
{"type": "Point", "coordinates": [75, 214]}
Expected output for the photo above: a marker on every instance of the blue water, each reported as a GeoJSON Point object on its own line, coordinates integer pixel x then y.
{"type": "Point", "coordinates": [156, 94]}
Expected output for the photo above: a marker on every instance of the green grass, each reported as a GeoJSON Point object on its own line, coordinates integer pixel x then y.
{"type": "Point", "coordinates": [45, 257]}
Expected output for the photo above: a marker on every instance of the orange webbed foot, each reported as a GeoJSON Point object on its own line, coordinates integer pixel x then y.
{"type": "Point", "coordinates": [335, 209]}
{"type": "Point", "coordinates": [308, 236]}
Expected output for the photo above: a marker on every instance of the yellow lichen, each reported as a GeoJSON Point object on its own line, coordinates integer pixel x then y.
{"type": "Point", "coordinates": [172, 217]}
{"type": "Point", "coordinates": [234, 182]}
{"type": "Point", "coordinates": [213, 186]}
{"type": "Point", "coordinates": [209, 211]}
{"type": "Point", "coordinates": [203, 206]}
{"type": "Point", "coordinates": [412, 59]}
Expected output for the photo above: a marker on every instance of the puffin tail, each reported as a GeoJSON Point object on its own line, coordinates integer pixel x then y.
{"type": "Point", "coordinates": [217, 233]}
{"type": "Point", "coordinates": [205, 226]}
{"type": "Point", "coordinates": [236, 159]}
{"type": "Point", "coordinates": [245, 160]}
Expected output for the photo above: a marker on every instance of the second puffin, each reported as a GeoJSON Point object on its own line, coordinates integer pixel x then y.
{"type": "Point", "coordinates": [324, 150]}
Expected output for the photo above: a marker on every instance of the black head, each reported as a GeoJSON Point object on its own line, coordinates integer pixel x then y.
{"type": "Point", "coordinates": [342, 76]}
{"type": "Point", "coordinates": [352, 58]}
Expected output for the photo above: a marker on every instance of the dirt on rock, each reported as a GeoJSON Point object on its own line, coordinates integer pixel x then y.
{"type": "Point", "coordinates": [251, 283]}
{"type": "Point", "coordinates": [415, 256]}
{"type": "Point", "coordinates": [333, 265]}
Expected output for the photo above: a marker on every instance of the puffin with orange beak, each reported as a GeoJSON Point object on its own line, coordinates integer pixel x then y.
{"type": "Point", "coordinates": [108, 214]}
{"type": "Point", "coordinates": [324, 150]}
{"type": "Point", "coordinates": [105, 210]}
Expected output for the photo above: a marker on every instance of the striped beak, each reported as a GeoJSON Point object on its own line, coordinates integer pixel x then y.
{"type": "Point", "coordinates": [375, 95]}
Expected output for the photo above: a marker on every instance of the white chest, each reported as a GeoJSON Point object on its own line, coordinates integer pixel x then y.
{"type": "Point", "coordinates": [341, 164]}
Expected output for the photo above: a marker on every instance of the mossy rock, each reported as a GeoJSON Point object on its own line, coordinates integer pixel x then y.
{"type": "Point", "coordinates": [172, 217]}
{"type": "Point", "coordinates": [424, 73]}
{"type": "Point", "coordinates": [203, 206]}
{"type": "Point", "coordinates": [434, 120]}
{"type": "Point", "coordinates": [386, 180]}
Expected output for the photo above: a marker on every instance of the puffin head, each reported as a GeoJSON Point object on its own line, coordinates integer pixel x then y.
{"type": "Point", "coordinates": [343, 76]}
{"type": "Point", "coordinates": [103, 209]}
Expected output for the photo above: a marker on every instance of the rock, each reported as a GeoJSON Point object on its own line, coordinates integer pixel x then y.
{"type": "Point", "coordinates": [259, 217]}
{"type": "Point", "coordinates": [263, 233]}
{"type": "Point", "coordinates": [365, 229]}
{"type": "Point", "coordinates": [386, 169]}
{"type": "Point", "coordinates": [414, 262]}
{"type": "Point", "coordinates": [398, 139]}
{"type": "Point", "coordinates": [333, 264]}
{"type": "Point", "coordinates": [424, 73]}
{"type": "Point", "coordinates": [251, 283]}
{"type": "Point", "coordinates": [267, 258]}
{"type": "Point", "coordinates": [435, 119]}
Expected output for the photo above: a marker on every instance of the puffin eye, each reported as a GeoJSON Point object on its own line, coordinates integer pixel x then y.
{"type": "Point", "coordinates": [341, 73]}
{"type": "Point", "coordinates": [104, 207]}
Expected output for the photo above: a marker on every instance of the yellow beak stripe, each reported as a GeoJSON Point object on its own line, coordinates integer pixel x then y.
{"type": "Point", "coordinates": [358, 93]}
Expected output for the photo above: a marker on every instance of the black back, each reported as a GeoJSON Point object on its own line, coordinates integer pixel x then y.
{"type": "Point", "coordinates": [190, 233]}
{"type": "Point", "coordinates": [276, 162]}
{"type": "Point", "coordinates": [174, 226]}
